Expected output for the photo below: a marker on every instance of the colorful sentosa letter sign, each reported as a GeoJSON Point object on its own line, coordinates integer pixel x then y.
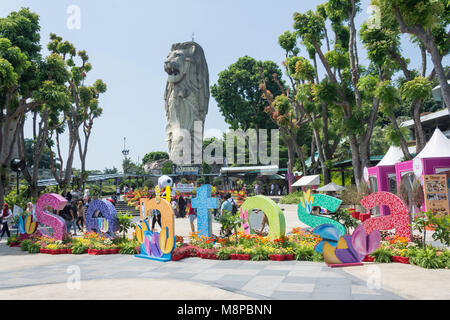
{"type": "Point", "coordinates": [319, 200]}
{"type": "Point", "coordinates": [275, 217]}
{"type": "Point", "coordinates": [107, 224]}
{"type": "Point", "coordinates": [203, 203]}
{"type": "Point", "coordinates": [398, 219]}
{"type": "Point", "coordinates": [350, 250]}
{"type": "Point", "coordinates": [154, 245]}
{"type": "Point", "coordinates": [44, 217]}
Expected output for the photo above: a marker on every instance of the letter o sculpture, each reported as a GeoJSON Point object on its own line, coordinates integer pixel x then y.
{"type": "Point", "coordinates": [107, 210]}
{"type": "Point", "coordinates": [277, 222]}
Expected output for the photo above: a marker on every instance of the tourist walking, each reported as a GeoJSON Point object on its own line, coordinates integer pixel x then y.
{"type": "Point", "coordinates": [182, 206]}
{"type": "Point", "coordinates": [70, 217]}
{"type": "Point", "coordinates": [192, 217]}
{"type": "Point", "coordinates": [30, 210]}
{"type": "Point", "coordinates": [86, 195]}
{"type": "Point", "coordinates": [81, 215]}
{"type": "Point", "coordinates": [6, 215]}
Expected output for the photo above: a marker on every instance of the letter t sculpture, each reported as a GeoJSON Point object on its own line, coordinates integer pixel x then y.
{"type": "Point", "coordinates": [202, 203]}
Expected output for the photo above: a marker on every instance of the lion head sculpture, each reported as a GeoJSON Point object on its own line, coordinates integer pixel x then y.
{"type": "Point", "coordinates": [187, 91]}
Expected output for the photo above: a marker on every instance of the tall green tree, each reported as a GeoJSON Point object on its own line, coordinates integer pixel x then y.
{"type": "Point", "coordinates": [154, 156]}
{"type": "Point", "coordinates": [426, 20]}
{"type": "Point", "coordinates": [26, 82]}
{"type": "Point", "coordinates": [83, 107]}
{"type": "Point", "coordinates": [342, 74]}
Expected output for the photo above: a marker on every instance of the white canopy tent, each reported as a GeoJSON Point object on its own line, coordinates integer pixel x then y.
{"type": "Point", "coordinates": [437, 147]}
{"type": "Point", "coordinates": [331, 187]}
{"type": "Point", "coordinates": [394, 155]}
{"type": "Point", "coordinates": [307, 181]}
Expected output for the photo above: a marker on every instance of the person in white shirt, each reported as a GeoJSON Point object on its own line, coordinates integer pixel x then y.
{"type": "Point", "coordinates": [5, 216]}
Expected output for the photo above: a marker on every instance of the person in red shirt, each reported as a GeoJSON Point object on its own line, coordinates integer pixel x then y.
{"type": "Point", "coordinates": [6, 214]}
{"type": "Point", "coordinates": [192, 216]}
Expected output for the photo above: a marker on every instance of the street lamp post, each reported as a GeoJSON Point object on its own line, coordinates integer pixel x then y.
{"type": "Point", "coordinates": [125, 151]}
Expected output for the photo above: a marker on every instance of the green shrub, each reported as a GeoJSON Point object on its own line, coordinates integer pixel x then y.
{"type": "Point", "coordinates": [304, 254]}
{"type": "Point", "coordinates": [259, 254]}
{"type": "Point", "coordinates": [427, 258]}
{"type": "Point", "coordinates": [317, 257]}
{"type": "Point", "coordinates": [292, 198]}
{"type": "Point", "coordinates": [382, 255]}
{"type": "Point", "coordinates": [131, 247]}
{"type": "Point", "coordinates": [445, 258]}
{"type": "Point", "coordinates": [33, 248]}
{"type": "Point", "coordinates": [25, 244]}
{"type": "Point", "coordinates": [78, 249]}
{"type": "Point", "coordinates": [223, 253]}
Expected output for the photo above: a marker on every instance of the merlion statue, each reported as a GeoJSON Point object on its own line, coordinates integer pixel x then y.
{"type": "Point", "coordinates": [186, 96]}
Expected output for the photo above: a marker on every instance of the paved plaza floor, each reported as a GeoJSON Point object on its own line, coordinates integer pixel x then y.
{"type": "Point", "coordinates": [43, 276]}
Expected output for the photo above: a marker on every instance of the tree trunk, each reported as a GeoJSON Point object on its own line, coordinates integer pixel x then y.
{"type": "Point", "coordinates": [403, 144]}
{"type": "Point", "coordinates": [420, 136]}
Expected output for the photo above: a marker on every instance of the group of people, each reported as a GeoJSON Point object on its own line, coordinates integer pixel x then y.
{"type": "Point", "coordinates": [74, 213]}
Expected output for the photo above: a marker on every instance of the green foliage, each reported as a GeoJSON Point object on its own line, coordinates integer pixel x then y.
{"type": "Point", "coordinates": [259, 254]}
{"type": "Point", "coordinates": [441, 229]}
{"type": "Point", "coordinates": [383, 255]}
{"type": "Point", "coordinates": [167, 168]}
{"type": "Point", "coordinates": [292, 198]}
{"type": "Point", "coordinates": [304, 253]}
{"type": "Point", "coordinates": [78, 249]}
{"type": "Point", "coordinates": [25, 244]}
{"type": "Point", "coordinates": [310, 26]}
{"type": "Point", "coordinates": [33, 248]}
{"type": "Point", "coordinates": [20, 200]}
{"type": "Point", "coordinates": [427, 258]}
{"type": "Point", "coordinates": [155, 156]}
{"type": "Point", "coordinates": [417, 89]}
{"type": "Point", "coordinates": [129, 247]}
{"type": "Point", "coordinates": [217, 182]}
{"type": "Point", "coordinates": [288, 41]}
{"type": "Point", "coordinates": [238, 93]}
{"type": "Point", "coordinates": [230, 222]}
{"type": "Point", "coordinates": [344, 217]}
{"type": "Point", "coordinates": [223, 253]}
{"type": "Point", "coordinates": [125, 223]}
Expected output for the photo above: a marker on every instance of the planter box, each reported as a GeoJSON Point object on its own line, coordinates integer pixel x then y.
{"type": "Point", "coordinates": [177, 257]}
{"type": "Point", "coordinates": [234, 256]}
{"type": "Point", "coordinates": [367, 258]}
{"type": "Point", "coordinates": [43, 250]}
{"type": "Point", "coordinates": [53, 251]}
{"type": "Point", "coordinates": [276, 257]}
{"type": "Point", "coordinates": [69, 251]}
{"type": "Point", "coordinates": [400, 259]}
{"type": "Point", "coordinates": [93, 251]}
{"type": "Point", "coordinates": [244, 257]}
{"type": "Point", "coordinates": [289, 257]}
{"type": "Point", "coordinates": [14, 244]}
{"type": "Point", "coordinates": [355, 214]}
{"type": "Point", "coordinates": [62, 251]}
{"type": "Point", "coordinates": [364, 216]}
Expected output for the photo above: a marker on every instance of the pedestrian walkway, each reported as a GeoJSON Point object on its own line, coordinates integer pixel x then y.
{"type": "Point", "coordinates": [231, 279]}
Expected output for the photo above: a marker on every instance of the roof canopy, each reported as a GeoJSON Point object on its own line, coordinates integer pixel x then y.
{"type": "Point", "coordinates": [256, 169]}
{"type": "Point", "coordinates": [394, 155]}
{"type": "Point", "coordinates": [437, 147]}
{"type": "Point", "coordinates": [307, 181]}
{"type": "Point", "coordinates": [331, 187]}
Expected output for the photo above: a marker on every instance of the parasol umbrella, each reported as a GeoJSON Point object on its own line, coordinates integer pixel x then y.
{"type": "Point", "coordinates": [331, 187]}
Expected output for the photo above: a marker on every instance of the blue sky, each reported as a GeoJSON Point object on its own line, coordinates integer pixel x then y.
{"type": "Point", "coordinates": [128, 41]}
